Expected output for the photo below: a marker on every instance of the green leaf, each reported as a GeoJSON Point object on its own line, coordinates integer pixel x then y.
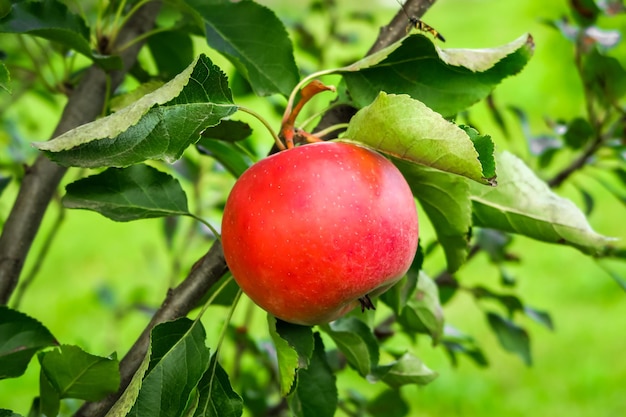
{"type": "Point", "coordinates": [5, 9]}
{"type": "Point", "coordinates": [485, 148]}
{"type": "Point", "coordinates": [228, 131]}
{"type": "Point", "coordinates": [409, 369]}
{"type": "Point", "coordinates": [399, 294]}
{"type": "Point", "coordinates": [8, 413]}
{"type": "Point", "coordinates": [217, 398]}
{"type": "Point", "coordinates": [287, 356]}
{"type": "Point", "coordinates": [5, 78]}
{"type": "Point", "coordinates": [511, 337]}
{"type": "Point", "coordinates": [129, 396]}
{"type": "Point", "coordinates": [316, 394]}
{"type": "Point", "coordinates": [447, 81]}
{"type": "Point", "coordinates": [423, 312]}
{"type": "Point", "coordinates": [524, 204]}
{"type": "Point", "coordinates": [254, 40]}
{"type": "Point", "coordinates": [356, 341]}
{"type": "Point", "coordinates": [74, 373]}
{"type": "Point", "coordinates": [49, 401]}
{"type": "Point", "coordinates": [510, 302]}
{"type": "Point", "coordinates": [52, 20]}
{"type": "Point", "coordinates": [299, 337]}
{"type": "Point", "coordinates": [178, 360]}
{"type": "Point", "coordinates": [21, 337]}
{"type": "Point", "coordinates": [541, 317]}
{"type": "Point", "coordinates": [406, 129]}
{"type": "Point", "coordinates": [160, 125]}
{"type": "Point", "coordinates": [605, 77]}
{"type": "Point", "coordinates": [456, 342]}
{"type": "Point", "coordinates": [388, 403]}
{"type": "Point", "coordinates": [172, 52]}
{"type": "Point", "coordinates": [446, 201]}
{"type": "Point", "coordinates": [578, 133]}
{"type": "Point", "coordinates": [227, 154]}
{"type": "Point", "coordinates": [125, 194]}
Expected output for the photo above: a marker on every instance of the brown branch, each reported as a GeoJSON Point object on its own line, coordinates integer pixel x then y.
{"type": "Point", "coordinates": [42, 178]}
{"type": "Point", "coordinates": [576, 164]}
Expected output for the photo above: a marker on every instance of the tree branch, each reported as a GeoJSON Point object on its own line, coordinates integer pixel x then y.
{"type": "Point", "coordinates": [576, 164]}
{"type": "Point", "coordinates": [42, 178]}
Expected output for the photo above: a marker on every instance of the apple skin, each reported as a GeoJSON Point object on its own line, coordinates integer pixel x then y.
{"type": "Point", "coordinates": [309, 231]}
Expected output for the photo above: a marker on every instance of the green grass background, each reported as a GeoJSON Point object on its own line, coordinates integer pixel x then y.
{"type": "Point", "coordinates": [100, 276]}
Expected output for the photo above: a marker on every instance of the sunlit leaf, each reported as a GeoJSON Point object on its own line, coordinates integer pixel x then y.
{"type": "Point", "coordinates": [52, 20]}
{"type": "Point", "coordinates": [253, 38]}
{"type": "Point", "coordinates": [160, 125]}
{"type": "Point", "coordinates": [287, 357]}
{"type": "Point", "coordinates": [21, 337]}
{"type": "Point", "coordinates": [524, 204]}
{"type": "Point", "coordinates": [316, 394]}
{"type": "Point", "coordinates": [406, 129]}
{"type": "Point", "coordinates": [409, 369]}
{"type": "Point", "coordinates": [178, 360]}
{"type": "Point", "coordinates": [446, 201]}
{"type": "Point", "coordinates": [512, 337]}
{"type": "Point", "coordinates": [356, 341]}
{"type": "Point", "coordinates": [74, 373]}
{"type": "Point", "coordinates": [217, 398]}
{"type": "Point", "coordinates": [447, 80]}
{"type": "Point", "coordinates": [125, 194]}
{"type": "Point", "coordinates": [127, 400]}
{"type": "Point", "coordinates": [423, 312]}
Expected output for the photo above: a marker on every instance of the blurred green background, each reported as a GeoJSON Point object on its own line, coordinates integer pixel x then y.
{"type": "Point", "coordinates": [101, 279]}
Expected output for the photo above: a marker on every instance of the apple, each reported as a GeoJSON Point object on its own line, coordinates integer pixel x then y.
{"type": "Point", "coordinates": [311, 232]}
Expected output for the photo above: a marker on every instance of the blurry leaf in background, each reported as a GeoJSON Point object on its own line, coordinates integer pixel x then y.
{"type": "Point", "coordinates": [356, 341]}
{"type": "Point", "coordinates": [585, 11]}
{"type": "Point", "coordinates": [21, 337]}
{"type": "Point", "coordinates": [511, 337]}
{"type": "Point", "coordinates": [217, 398]}
{"type": "Point", "coordinates": [160, 125]}
{"type": "Point", "coordinates": [5, 78]}
{"type": "Point", "coordinates": [52, 20]}
{"type": "Point", "coordinates": [70, 372]}
{"type": "Point", "coordinates": [408, 369]}
{"type": "Point", "coordinates": [388, 403]}
{"type": "Point", "coordinates": [316, 393]}
{"type": "Point", "coordinates": [126, 194]}
{"type": "Point", "coordinates": [578, 133]}
{"type": "Point", "coordinates": [605, 76]}
{"type": "Point", "coordinates": [524, 204]}
{"type": "Point", "coordinates": [456, 342]}
{"type": "Point", "coordinates": [238, 30]}
{"type": "Point", "coordinates": [446, 80]}
{"type": "Point", "coordinates": [172, 52]}
{"type": "Point", "coordinates": [8, 413]}
{"type": "Point", "coordinates": [406, 129]}
{"type": "Point", "coordinates": [167, 386]}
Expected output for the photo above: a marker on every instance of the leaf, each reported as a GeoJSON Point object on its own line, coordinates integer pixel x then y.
{"type": "Point", "coordinates": [447, 81]}
{"type": "Point", "coordinates": [287, 357]}
{"type": "Point", "coordinates": [254, 40]}
{"type": "Point", "coordinates": [578, 133]}
{"type": "Point", "coordinates": [125, 194]}
{"type": "Point", "coordinates": [74, 373]}
{"type": "Point", "coordinates": [172, 52]}
{"type": "Point", "coordinates": [409, 369]}
{"type": "Point", "coordinates": [512, 337]}
{"type": "Point", "coordinates": [406, 129]}
{"type": "Point", "coordinates": [227, 154]}
{"type": "Point", "coordinates": [8, 413]}
{"type": "Point", "coordinates": [485, 148]}
{"type": "Point", "coordinates": [52, 20]}
{"type": "Point", "coordinates": [126, 401]}
{"type": "Point", "coordinates": [21, 337]}
{"type": "Point", "coordinates": [389, 403]}
{"type": "Point", "coordinates": [510, 302]}
{"type": "Point", "coordinates": [5, 78]}
{"type": "Point", "coordinates": [423, 312]}
{"type": "Point", "coordinates": [178, 360]}
{"type": "Point", "coordinates": [217, 398]}
{"type": "Point", "coordinates": [316, 393]}
{"type": "Point", "coordinates": [446, 201]}
{"type": "Point", "coordinates": [456, 342]}
{"type": "Point", "coordinates": [524, 204]}
{"type": "Point", "coordinates": [299, 337]}
{"type": "Point", "coordinates": [160, 125]}
{"type": "Point", "coordinates": [541, 317]}
{"type": "Point", "coordinates": [228, 131]}
{"type": "Point", "coordinates": [605, 77]}
{"type": "Point", "coordinates": [356, 341]}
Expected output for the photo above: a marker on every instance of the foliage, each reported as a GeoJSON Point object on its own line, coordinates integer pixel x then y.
{"type": "Point", "coordinates": [408, 102]}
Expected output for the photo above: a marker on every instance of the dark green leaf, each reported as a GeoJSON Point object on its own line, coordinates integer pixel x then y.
{"type": "Point", "coordinates": [52, 20]}
{"type": "Point", "coordinates": [388, 403]}
{"type": "Point", "coordinates": [299, 337]}
{"type": "Point", "coordinates": [356, 341]}
{"type": "Point", "coordinates": [125, 194]}
{"type": "Point", "coordinates": [541, 317]}
{"type": "Point", "coordinates": [8, 413]}
{"type": "Point", "coordinates": [512, 337]}
{"type": "Point", "coordinates": [227, 154]}
{"type": "Point", "coordinates": [20, 338]}
{"type": "Point", "coordinates": [160, 125]}
{"type": "Point", "coordinates": [447, 81]}
{"type": "Point", "coordinates": [287, 356]}
{"type": "Point", "coordinates": [5, 78]}
{"type": "Point", "coordinates": [578, 133]}
{"type": "Point", "coordinates": [605, 76]}
{"type": "Point", "coordinates": [226, 295]}
{"type": "Point", "coordinates": [409, 369]}
{"type": "Point", "coordinates": [4, 181]}
{"type": "Point", "coordinates": [485, 148]}
{"type": "Point", "coordinates": [49, 401]}
{"type": "Point", "coordinates": [494, 243]}
{"type": "Point", "coordinates": [228, 131]}
{"type": "Point", "coordinates": [74, 373]}
{"type": "Point", "coordinates": [446, 200]}
{"type": "Point", "coordinates": [238, 30]}
{"type": "Point", "coordinates": [524, 204]}
{"type": "Point", "coordinates": [399, 294]}
{"type": "Point", "coordinates": [423, 312]}
{"type": "Point", "coordinates": [456, 342]}
{"type": "Point", "coordinates": [510, 302]}
{"type": "Point", "coordinates": [5, 9]}
{"type": "Point", "coordinates": [178, 360]}
{"type": "Point", "coordinates": [217, 398]}
{"type": "Point", "coordinates": [172, 52]}
{"type": "Point", "coordinates": [316, 394]}
{"type": "Point", "coordinates": [406, 129]}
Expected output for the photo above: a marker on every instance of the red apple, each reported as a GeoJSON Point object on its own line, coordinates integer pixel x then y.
{"type": "Point", "coordinates": [311, 231]}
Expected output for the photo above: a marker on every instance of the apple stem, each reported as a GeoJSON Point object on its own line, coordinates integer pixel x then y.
{"type": "Point", "coordinates": [279, 143]}
{"type": "Point", "coordinates": [366, 303]}
{"type": "Point", "coordinates": [329, 129]}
